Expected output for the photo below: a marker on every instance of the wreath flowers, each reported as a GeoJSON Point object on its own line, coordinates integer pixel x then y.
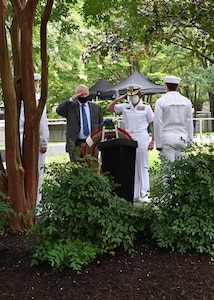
{"type": "Point", "coordinates": [111, 132]}
{"type": "Point", "coordinates": [108, 123]}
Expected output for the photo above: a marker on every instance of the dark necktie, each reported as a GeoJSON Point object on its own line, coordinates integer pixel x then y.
{"type": "Point", "coordinates": [84, 121]}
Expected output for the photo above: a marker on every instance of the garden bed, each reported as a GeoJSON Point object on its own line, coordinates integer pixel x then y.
{"type": "Point", "coordinates": [152, 274]}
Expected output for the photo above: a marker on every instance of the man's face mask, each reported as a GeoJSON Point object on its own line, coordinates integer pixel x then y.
{"type": "Point", "coordinates": [134, 99]}
{"type": "Point", "coordinates": [83, 99]}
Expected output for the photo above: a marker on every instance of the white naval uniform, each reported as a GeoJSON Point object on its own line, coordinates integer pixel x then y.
{"type": "Point", "coordinates": [44, 137]}
{"type": "Point", "coordinates": [173, 124]}
{"type": "Point", "coordinates": [136, 120]}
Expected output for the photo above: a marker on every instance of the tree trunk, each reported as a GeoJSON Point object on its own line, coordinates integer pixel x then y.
{"type": "Point", "coordinates": [13, 159]}
{"type": "Point", "coordinates": [22, 171]}
{"type": "Point", "coordinates": [31, 128]}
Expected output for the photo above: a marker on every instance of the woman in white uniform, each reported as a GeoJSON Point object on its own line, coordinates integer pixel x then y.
{"type": "Point", "coordinates": [137, 116]}
{"type": "Point", "coordinates": [44, 137]}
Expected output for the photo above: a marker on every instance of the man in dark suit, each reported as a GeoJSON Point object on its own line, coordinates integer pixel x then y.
{"type": "Point", "coordinates": [83, 117]}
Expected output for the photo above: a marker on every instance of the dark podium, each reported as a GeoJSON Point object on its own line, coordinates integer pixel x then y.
{"type": "Point", "coordinates": [118, 158]}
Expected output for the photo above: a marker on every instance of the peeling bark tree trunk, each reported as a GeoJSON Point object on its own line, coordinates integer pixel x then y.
{"type": "Point", "coordinates": [13, 159]}
{"type": "Point", "coordinates": [22, 171]}
{"type": "Point", "coordinates": [31, 128]}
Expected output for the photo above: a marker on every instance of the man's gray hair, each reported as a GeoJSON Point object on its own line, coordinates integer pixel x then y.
{"type": "Point", "coordinates": [81, 86]}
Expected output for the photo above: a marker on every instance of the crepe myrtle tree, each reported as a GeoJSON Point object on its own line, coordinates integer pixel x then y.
{"type": "Point", "coordinates": [20, 180]}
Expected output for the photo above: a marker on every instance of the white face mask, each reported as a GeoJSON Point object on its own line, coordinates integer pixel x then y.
{"type": "Point", "coordinates": [134, 99]}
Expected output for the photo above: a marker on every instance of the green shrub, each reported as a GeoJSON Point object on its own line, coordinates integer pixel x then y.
{"type": "Point", "coordinates": [81, 217]}
{"type": "Point", "coordinates": [185, 203]}
{"type": "Point", "coordinates": [5, 212]}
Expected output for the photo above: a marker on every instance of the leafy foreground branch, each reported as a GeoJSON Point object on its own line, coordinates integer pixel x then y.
{"type": "Point", "coordinates": [184, 219]}
{"type": "Point", "coordinates": [6, 212]}
{"type": "Point", "coordinates": [81, 217]}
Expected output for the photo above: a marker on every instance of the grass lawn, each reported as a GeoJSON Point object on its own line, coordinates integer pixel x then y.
{"type": "Point", "coordinates": [57, 158]}
{"type": "Point", "coordinates": [153, 157]}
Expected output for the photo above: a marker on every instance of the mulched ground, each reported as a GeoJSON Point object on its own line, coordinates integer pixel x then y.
{"type": "Point", "coordinates": [152, 274]}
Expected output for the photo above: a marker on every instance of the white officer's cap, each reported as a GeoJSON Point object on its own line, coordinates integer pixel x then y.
{"type": "Point", "coordinates": [37, 76]}
{"type": "Point", "coordinates": [133, 89]}
{"type": "Point", "coordinates": [171, 79]}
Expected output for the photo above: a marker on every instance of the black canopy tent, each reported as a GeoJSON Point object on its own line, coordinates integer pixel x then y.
{"type": "Point", "coordinates": [99, 88]}
{"type": "Point", "coordinates": [148, 86]}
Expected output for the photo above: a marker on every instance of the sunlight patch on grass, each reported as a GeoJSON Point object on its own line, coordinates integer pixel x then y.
{"type": "Point", "coordinates": [61, 158]}
{"type": "Point", "coordinates": [153, 158]}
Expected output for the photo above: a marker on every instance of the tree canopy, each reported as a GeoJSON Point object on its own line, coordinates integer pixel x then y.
{"type": "Point", "coordinates": [188, 24]}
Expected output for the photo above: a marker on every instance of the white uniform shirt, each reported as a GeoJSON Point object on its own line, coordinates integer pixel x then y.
{"type": "Point", "coordinates": [44, 130]}
{"type": "Point", "coordinates": [136, 119]}
{"type": "Point", "coordinates": [172, 119]}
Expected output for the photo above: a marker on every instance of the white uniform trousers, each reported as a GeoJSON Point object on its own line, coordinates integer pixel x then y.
{"type": "Point", "coordinates": [173, 147]}
{"type": "Point", "coordinates": [41, 167]}
{"type": "Point", "coordinates": [141, 180]}
{"type": "Point", "coordinates": [172, 150]}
